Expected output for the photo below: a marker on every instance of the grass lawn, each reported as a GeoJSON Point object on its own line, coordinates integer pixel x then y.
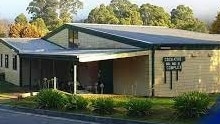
{"type": "Point", "coordinates": [9, 91]}
{"type": "Point", "coordinates": [6, 88]}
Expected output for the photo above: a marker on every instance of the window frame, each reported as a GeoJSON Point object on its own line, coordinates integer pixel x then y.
{"type": "Point", "coordinates": [15, 63]}
{"type": "Point", "coordinates": [1, 60]}
{"type": "Point", "coordinates": [6, 61]}
{"type": "Point", "coordinates": [73, 38]}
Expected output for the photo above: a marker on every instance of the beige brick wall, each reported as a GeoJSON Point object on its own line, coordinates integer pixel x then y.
{"type": "Point", "coordinates": [61, 38]}
{"type": "Point", "coordinates": [199, 73]}
{"type": "Point", "coordinates": [131, 76]}
{"type": "Point", "coordinates": [10, 74]}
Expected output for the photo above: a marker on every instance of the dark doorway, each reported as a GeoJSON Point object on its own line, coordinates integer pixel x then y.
{"type": "Point", "coordinates": [106, 68]}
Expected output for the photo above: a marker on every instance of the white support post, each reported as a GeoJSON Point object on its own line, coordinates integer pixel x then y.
{"type": "Point", "coordinates": [55, 83]}
{"type": "Point", "coordinates": [75, 79]}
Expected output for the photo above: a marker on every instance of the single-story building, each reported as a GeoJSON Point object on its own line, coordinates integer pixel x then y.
{"type": "Point", "coordinates": [134, 60]}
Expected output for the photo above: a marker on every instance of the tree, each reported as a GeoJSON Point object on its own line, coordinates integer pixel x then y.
{"type": "Point", "coordinates": [154, 15]}
{"type": "Point", "coordinates": [4, 28]}
{"type": "Point", "coordinates": [41, 26]}
{"type": "Point", "coordinates": [215, 27]}
{"type": "Point", "coordinates": [21, 19]}
{"type": "Point", "coordinates": [20, 28]}
{"type": "Point", "coordinates": [102, 15]}
{"type": "Point", "coordinates": [68, 8]}
{"type": "Point", "coordinates": [29, 31]}
{"type": "Point", "coordinates": [15, 30]}
{"type": "Point", "coordinates": [126, 12]}
{"type": "Point", "coordinates": [182, 18]}
{"type": "Point", "coordinates": [54, 12]}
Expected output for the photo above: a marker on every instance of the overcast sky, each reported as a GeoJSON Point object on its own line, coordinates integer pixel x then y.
{"type": "Point", "coordinates": [204, 9]}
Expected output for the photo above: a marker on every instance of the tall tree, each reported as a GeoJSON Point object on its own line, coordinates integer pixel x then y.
{"type": "Point", "coordinates": [126, 12]}
{"type": "Point", "coordinates": [102, 15]}
{"type": "Point", "coordinates": [21, 19]}
{"type": "Point", "coordinates": [182, 18]}
{"type": "Point", "coordinates": [68, 8]}
{"type": "Point", "coordinates": [41, 26]}
{"type": "Point", "coordinates": [54, 12]}
{"type": "Point", "coordinates": [215, 27]}
{"type": "Point", "coordinates": [154, 15]}
{"type": "Point", "coordinates": [29, 31]}
{"type": "Point", "coordinates": [15, 30]}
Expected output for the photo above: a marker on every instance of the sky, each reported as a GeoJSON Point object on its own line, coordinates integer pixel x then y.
{"type": "Point", "coordinates": [203, 9]}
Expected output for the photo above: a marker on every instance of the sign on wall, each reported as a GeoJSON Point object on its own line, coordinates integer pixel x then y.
{"type": "Point", "coordinates": [172, 64]}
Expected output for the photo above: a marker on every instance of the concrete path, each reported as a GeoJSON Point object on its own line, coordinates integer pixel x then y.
{"type": "Point", "coordinates": [14, 117]}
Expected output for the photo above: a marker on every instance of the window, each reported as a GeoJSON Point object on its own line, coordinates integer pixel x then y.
{"type": "Point", "coordinates": [73, 39]}
{"type": "Point", "coordinates": [14, 59]}
{"type": "Point", "coordinates": [1, 60]}
{"type": "Point", "coordinates": [6, 61]}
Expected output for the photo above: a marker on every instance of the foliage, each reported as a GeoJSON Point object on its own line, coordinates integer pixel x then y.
{"type": "Point", "coordinates": [19, 30]}
{"type": "Point", "coordinates": [76, 102]}
{"type": "Point", "coordinates": [103, 105]}
{"type": "Point", "coordinates": [51, 99]}
{"type": "Point", "coordinates": [29, 31]}
{"type": "Point", "coordinates": [54, 12]}
{"type": "Point", "coordinates": [22, 28]}
{"type": "Point", "coordinates": [41, 26]}
{"type": "Point", "coordinates": [126, 12]}
{"type": "Point", "coordinates": [192, 104]}
{"type": "Point", "coordinates": [15, 30]}
{"type": "Point", "coordinates": [138, 107]}
{"type": "Point", "coordinates": [182, 18]}
{"type": "Point", "coordinates": [154, 15]}
{"type": "Point", "coordinates": [102, 15]}
{"type": "Point", "coordinates": [21, 19]}
{"type": "Point", "coordinates": [215, 27]}
{"type": "Point", "coordinates": [67, 8]}
{"type": "Point", "coordinates": [4, 28]}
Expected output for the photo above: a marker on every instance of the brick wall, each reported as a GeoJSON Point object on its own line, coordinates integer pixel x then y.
{"type": "Point", "coordinates": [200, 72]}
{"type": "Point", "coordinates": [10, 74]}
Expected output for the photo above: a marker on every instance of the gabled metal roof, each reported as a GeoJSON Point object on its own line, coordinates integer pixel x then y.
{"type": "Point", "coordinates": [144, 36]}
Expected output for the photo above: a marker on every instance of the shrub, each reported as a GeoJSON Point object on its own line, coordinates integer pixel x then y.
{"type": "Point", "coordinates": [77, 103]}
{"type": "Point", "coordinates": [103, 105]}
{"type": "Point", "coordinates": [192, 104]}
{"type": "Point", "coordinates": [51, 99]}
{"type": "Point", "coordinates": [138, 107]}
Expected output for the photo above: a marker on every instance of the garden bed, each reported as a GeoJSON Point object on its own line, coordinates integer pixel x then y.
{"type": "Point", "coordinates": [162, 110]}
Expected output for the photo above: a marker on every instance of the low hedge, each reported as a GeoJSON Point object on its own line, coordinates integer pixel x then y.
{"type": "Point", "coordinates": [192, 104]}
{"type": "Point", "coordinates": [103, 105]}
{"type": "Point", "coordinates": [138, 107]}
{"type": "Point", "coordinates": [51, 99]}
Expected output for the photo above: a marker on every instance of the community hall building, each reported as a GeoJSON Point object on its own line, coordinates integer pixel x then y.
{"type": "Point", "coordinates": [131, 60]}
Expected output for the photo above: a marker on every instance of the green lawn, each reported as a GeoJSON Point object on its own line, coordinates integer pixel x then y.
{"type": "Point", "coordinates": [6, 87]}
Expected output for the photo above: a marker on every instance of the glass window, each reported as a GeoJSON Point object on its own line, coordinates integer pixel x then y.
{"type": "Point", "coordinates": [1, 60]}
{"type": "Point", "coordinates": [6, 61]}
{"type": "Point", "coordinates": [14, 59]}
{"type": "Point", "coordinates": [73, 39]}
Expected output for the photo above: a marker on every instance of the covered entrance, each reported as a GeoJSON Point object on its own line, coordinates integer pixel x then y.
{"type": "Point", "coordinates": [89, 71]}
